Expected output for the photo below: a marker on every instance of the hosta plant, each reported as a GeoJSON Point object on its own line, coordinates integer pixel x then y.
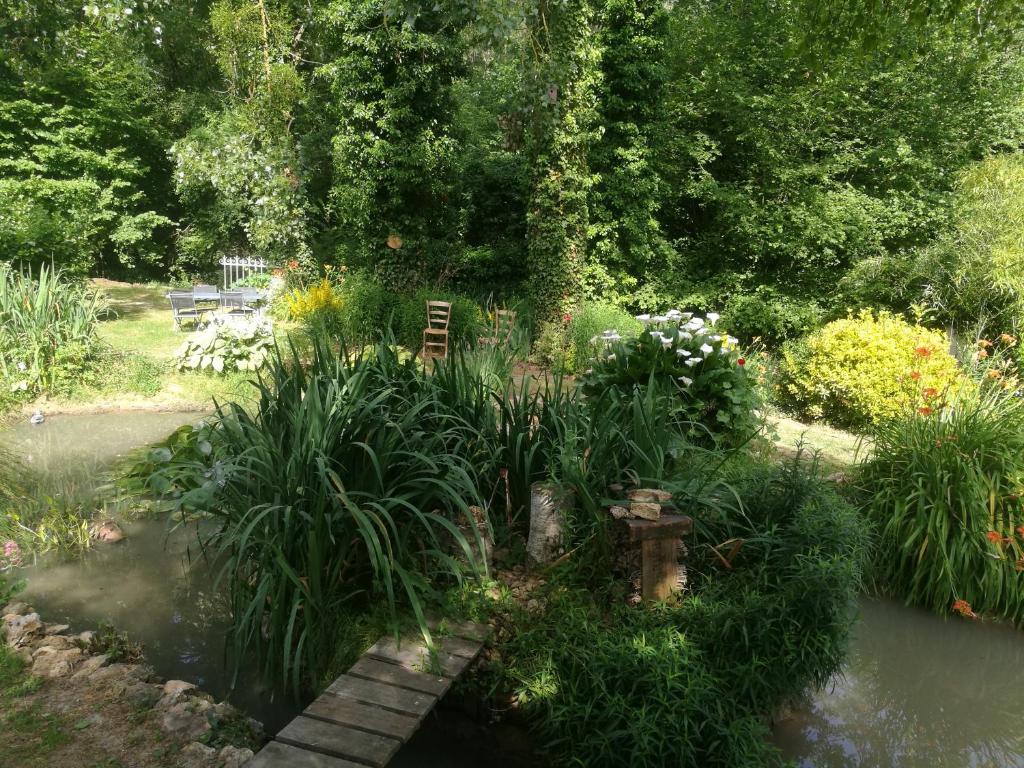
{"type": "Point", "coordinates": [227, 343]}
{"type": "Point", "coordinates": [702, 364]}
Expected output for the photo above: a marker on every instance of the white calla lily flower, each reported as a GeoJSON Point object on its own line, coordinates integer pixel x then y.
{"type": "Point", "coordinates": [713, 317]}
{"type": "Point", "coordinates": [694, 360]}
{"type": "Point", "coordinates": [684, 353]}
{"type": "Point", "coordinates": [707, 349]}
{"type": "Point", "coordinates": [685, 380]}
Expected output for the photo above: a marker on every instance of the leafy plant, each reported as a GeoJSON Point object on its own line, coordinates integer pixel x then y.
{"type": "Point", "coordinates": [319, 304]}
{"type": "Point", "coordinates": [226, 344]}
{"type": "Point", "coordinates": [944, 489]}
{"type": "Point", "coordinates": [687, 353]}
{"type": "Point", "coordinates": [865, 368]}
{"type": "Point", "coordinates": [47, 329]}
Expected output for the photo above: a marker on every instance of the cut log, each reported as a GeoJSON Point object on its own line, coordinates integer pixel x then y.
{"type": "Point", "coordinates": [549, 504]}
{"type": "Point", "coordinates": [660, 564]}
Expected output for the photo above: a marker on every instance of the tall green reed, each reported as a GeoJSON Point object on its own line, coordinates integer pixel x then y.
{"type": "Point", "coordinates": [43, 318]}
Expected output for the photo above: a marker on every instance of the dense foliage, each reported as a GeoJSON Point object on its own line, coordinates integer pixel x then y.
{"type": "Point", "coordinates": [686, 684]}
{"type": "Point", "coordinates": [696, 155]}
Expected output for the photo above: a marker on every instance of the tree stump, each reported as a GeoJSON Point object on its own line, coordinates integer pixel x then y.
{"type": "Point", "coordinates": [548, 505]}
{"type": "Point", "coordinates": [659, 542]}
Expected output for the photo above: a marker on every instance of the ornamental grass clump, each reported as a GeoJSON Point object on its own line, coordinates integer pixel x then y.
{"type": "Point", "coordinates": [945, 487]}
{"type": "Point", "coordinates": [864, 369]}
{"type": "Point", "coordinates": [47, 328]}
{"type": "Point", "coordinates": [702, 364]}
{"type": "Point", "coordinates": [347, 485]}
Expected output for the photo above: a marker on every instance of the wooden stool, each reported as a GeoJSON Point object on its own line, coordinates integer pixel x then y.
{"type": "Point", "coordinates": [659, 542]}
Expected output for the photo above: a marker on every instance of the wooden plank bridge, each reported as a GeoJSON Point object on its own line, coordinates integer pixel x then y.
{"type": "Point", "coordinates": [369, 712]}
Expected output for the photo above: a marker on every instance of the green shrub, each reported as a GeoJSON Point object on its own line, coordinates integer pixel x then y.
{"type": "Point", "coordinates": [701, 364]}
{"type": "Point", "coordinates": [47, 330]}
{"type": "Point", "coordinates": [368, 309]}
{"type": "Point", "coordinates": [316, 306]}
{"type": "Point", "coordinates": [944, 491]}
{"type": "Point", "coordinates": [226, 344]}
{"type": "Point", "coordinates": [465, 326]}
{"type": "Point", "coordinates": [863, 369]}
{"type": "Point", "coordinates": [770, 316]}
{"type": "Point", "coordinates": [689, 683]}
{"type": "Point", "coordinates": [568, 344]}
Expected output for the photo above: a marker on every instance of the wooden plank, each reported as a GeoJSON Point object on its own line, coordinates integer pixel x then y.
{"type": "Point", "coordinates": [659, 568]}
{"type": "Point", "coordinates": [364, 717]}
{"type": "Point", "coordinates": [467, 629]}
{"type": "Point", "coordinates": [669, 526]}
{"type": "Point", "coordinates": [277, 755]}
{"type": "Point", "coordinates": [392, 674]}
{"type": "Point", "coordinates": [339, 741]}
{"type": "Point", "coordinates": [400, 700]}
{"type": "Point", "coordinates": [415, 656]}
{"type": "Point", "coordinates": [458, 646]}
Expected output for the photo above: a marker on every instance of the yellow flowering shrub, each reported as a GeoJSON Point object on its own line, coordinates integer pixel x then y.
{"type": "Point", "coordinates": [867, 367]}
{"type": "Point", "coordinates": [317, 302]}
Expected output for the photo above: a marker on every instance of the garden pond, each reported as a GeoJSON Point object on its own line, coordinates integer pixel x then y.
{"type": "Point", "coordinates": [918, 690]}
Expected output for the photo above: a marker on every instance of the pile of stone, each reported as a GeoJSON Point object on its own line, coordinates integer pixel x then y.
{"type": "Point", "coordinates": [180, 709]}
{"type": "Point", "coordinates": [641, 503]}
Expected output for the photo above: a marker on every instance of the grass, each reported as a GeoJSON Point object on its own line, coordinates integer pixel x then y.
{"type": "Point", "coordinates": [30, 735]}
{"type": "Point", "coordinates": [837, 449]}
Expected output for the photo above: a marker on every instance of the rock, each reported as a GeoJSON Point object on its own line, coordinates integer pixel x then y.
{"type": "Point", "coordinates": [143, 673]}
{"type": "Point", "coordinates": [196, 755]}
{"type": "Point", "coordinates": [142, 695]}
{"type": "Point", "coordinates": [86, 638]}
{"type": "Point", "coordinates": [90, 665]}
{"type": "Point", "coordinates": [615, 489]}
{"type": "Point", "coordinates": [54, 643]}
{"type": "Point", "coordinates": [645, 510]}
{"type": "Point", "coordinates": [15, 608]}
{"type": "Point", "coordinates": [107, 531]}
{"type": "Point", "coordinates": [176, 687]}
{"type": "Point", "coordinates": [20, 630]}
{"type": "Point", "coordinates": [182, 721]}
{"type": "Point", "coordinates": [619, 513]}
{"type": "Point", "coordinates": [50, 663]}
{"type": "Point", "coordinates": [56, 629]}
{"type": "Point", "coordinates": [649, 494]}
{"type": "Point", "coordinates": [117, 674]}
{"type": "Point", "coordinates": [233, 757]}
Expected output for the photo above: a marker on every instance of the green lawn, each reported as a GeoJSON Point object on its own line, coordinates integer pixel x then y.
{"type": "Point", "coordinates": [837, 448]}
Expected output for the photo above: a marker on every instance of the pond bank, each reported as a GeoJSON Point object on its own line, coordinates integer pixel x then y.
{"type": "Point", "coordinates": [83, 699]}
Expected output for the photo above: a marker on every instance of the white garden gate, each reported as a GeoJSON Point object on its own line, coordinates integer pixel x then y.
{"type": "Point", "coordinates": [239, 267]}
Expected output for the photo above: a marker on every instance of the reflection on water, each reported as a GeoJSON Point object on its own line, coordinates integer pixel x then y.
{"type": "Point", "coordinates": [919, 691]}
{"type": "Point", "coordinates": [154, 585]}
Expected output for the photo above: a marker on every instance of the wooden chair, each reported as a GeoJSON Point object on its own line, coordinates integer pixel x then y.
{"type": "Point", "coordinates": [435, 335]}
{"type": "Point", "coordinates": [183, 307]}
{"type": "Point", "coordinates": [234, 302]}
{"type": "Point", "coordinates": [504, 324]}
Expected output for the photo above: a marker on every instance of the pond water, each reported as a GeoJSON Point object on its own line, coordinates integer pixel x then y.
{"type": "Point", "coordinates": [919, 691]}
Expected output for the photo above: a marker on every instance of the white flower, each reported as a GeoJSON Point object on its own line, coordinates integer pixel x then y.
{"type": "Point", "coordinates": [673, 314]}
{"type": "Point", "coordinates": [613, 337]}
{"type": "Point", "coordinates": [644, 318]}
{"type": "Point", "coordinates": [693, 361]}
{"type": "Point", "coordinates": [685, 380]}
{"type": "Point", "coordinates": [127, 11]}
{"type": "Point", "coordinates": [686, 315]}
{"type": "Point", "coordinates": [686, 335]}
{"type": "Point", "coordinates": [707, 349]}
{"type": "Point", "coordinates": [713, 317]}
{"type": "Point", "coordinates": [610, 357]}
{"type": "Point", "coordinates": [660, 318]}
{"type": "Point", "coordinates": [683, 352]}
{"type": "Point", "coordinates": [716, 337]}
{"type": "Point", "coordinates": [723, 350]}
{"type": "Point", "coordinates": [695, 323]}
{"type": "Point", "coordinates": [666, 342]}
{"type": "Point", "coordinates": [655, 334]}
{"type": "Point", "coordinates": [593, 339]}
{"type": "Point", "coordinates": [22, 366]}
{"type": "Point", "coordinates": [732, 339]}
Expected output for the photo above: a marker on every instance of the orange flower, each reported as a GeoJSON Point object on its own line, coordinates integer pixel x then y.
{"type": "Point", "coordinates": [929, 392]}
{"type": "Point", "coordinates": [984, 343]}
{"type": "Point", "coordinates": [992, 373]}
{"type": "Point", "coordinates": [963, 608]}
{"type": "Point", "coordinates": [994, 537]}
{"type": "Point", "coordinates": [924, 410]}
{"type": "Point", "coordinates": [1020, 531]}
{"type": "Point", "coordinates": [1020, 565]}
{"type": "Point", "coordinates": [293, 264]}
{"type": "Point", "coordinates": [1008, 339]}
{"type": "Point", "coordinates": [982, 354]}
{"type": "Point", "coordinates": [915, 375]}
{"type": "Point", "coordinates": [923, 351]}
